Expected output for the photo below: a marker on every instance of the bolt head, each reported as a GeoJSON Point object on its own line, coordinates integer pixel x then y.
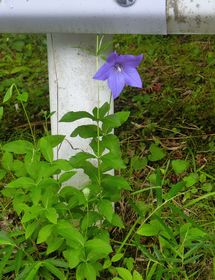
{"type": "Point", "coordinates": [126, 3]}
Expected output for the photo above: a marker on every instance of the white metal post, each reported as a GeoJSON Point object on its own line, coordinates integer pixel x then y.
{"type": "Point", "coordinates": [72, 64]}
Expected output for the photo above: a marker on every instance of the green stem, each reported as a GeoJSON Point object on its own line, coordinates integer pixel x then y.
{"type": "Point", "coordinates": [27, 117]}
{"type": "Point", "coordinates": [98, 128]}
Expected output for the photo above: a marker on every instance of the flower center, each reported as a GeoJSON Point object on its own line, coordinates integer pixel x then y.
{"type": "Point", "coordinates": [118, 67]}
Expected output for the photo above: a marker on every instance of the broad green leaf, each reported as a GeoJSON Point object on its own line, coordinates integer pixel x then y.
{"type": "Point", "coordinates": [53, 244]}
{"type": "Point", "coordinates": [157, 153]}
{"type": "Point", "coordinates": [86, 131]}
{"type": "Point", "coordinates": [1, 112]}
{"type": "Point", "coordinates": [54, 270]}
{"type": "Point", "coordinates": [117, 221]}
{"type": "Point", "coordinates": [137, 276]}
{"type": "Point", "coordinates": [30, 228]}
{"type": "Point", "coordinates": [115, 182]}
{"type": "Point", "coordinates": [22, 182]}
{"type": "Point", "coordinates": [46, 149]}
{"type": "Point", "coordinates": [2, 173]}
{"type": "Point", "coordinates": [175, 189]}
{"type": "Point", "coordinates": [179, 166]}
{"type": "Point", "coordinates": [5, 240]}
{"type": "Point", "coordinates": [31, 275]}
{"type": "Point", "coordinates": [112, 161]}
{"type": "Point", "coordinates": [23, 97]}
{"type": "Point", "coordinates": [191, 179]}
{"type": "Point", "coordinates": [54, 140]}
{"type": "Point", "coordinates": [77, 160]}
{"type": "Point", "coordinates": [151, 229]}
{"type": "Point", "coordinates": [103, 110]}
{"type": "Point", "coordinates": [63, 164]}
{"type": "Point", "coordinates": [124, 273]}
{"type": "Point", "coordinates": [138, 163]}
{"type": "Point", "coordinates": [18, 147]}
{"type": "Point", "coordinates": [70, 233]}
{"type": "Point", "coordinates": [105, 208]}
{"type": "Point", "coordinates": [44, 233]}
{"type": "Point", "coordinates": [117, 257]}
{"type": "Point", "coordinates": [97, 249]}
{"type": "Point", "coordinates": [73, 116]}
{"type": "Point", "coordinates": [19, 168]}
{"type": "Point", "coordinates": [91, 218]}
{"type": "Point", "coordinates": [114, 120]}
{"type": "Point", "coordinates": [111, 142]}
{"type": "Point", "coordinates": [73, 256]}
{"type": "Point", "coordinates": [86, 271]}
{"type": "Point", "coordinates": [8, 94]}
{"type": "Point", "coordinates": [51, 215]}
{"type": "Point", "coordinates": [66, 176]}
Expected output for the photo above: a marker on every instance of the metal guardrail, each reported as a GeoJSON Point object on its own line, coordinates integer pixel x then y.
{"type": "Point", "coordinates": [108, 17]}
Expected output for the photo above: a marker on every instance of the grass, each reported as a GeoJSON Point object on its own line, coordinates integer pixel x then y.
{"type": "Point", "coordinates": [172, 118]}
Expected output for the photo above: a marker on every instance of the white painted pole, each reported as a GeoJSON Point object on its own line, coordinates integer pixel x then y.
{"type": "Point", "coordinates": [72, 64]}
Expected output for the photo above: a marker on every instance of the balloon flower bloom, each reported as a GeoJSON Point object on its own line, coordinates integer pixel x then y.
{"type": "Point", "coordinates": [120, 70]}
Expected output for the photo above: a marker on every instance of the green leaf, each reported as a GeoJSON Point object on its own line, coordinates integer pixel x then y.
{"type": "Point", "coordinates": [86, 131]}
{"type": "Point", "coordinates": [73, 257]}
{"type": "Point", "coordinates": [70, 233]}
{"type": "Point", "coordinates": [2, 173]}
{"type": "Point", "coordinates": [103, 110]}
{"type": "Point", "coordinates": [111, 142]}
{"type": "Point", "coordinates": [44, 233]}
{"type": "Point", "coordinates": [46, 149]}
{"type": "Point", "coordinates": [179, 166]}
{"type": "Point", "coordinates": [117, 221]}
{"type": "Point", "coordinates": [105, 208]}
{"type": "Point", "coordinates": [151, 229]}
{"type": "Point", "coordinates": [54, 270]}
{"type": "Point", "coordinates": [7, 161]}
{"type": "Point", "coordinates": [8, 251]}
{"type": "Point", "coordinates": [115, 120]}
{"type": "Point", "coordinates": [1, 112]}
{"type": "Point", "coordinates": [115, 182]}
{"type": "Point", "coordinates": [53, 244]}
{"type": "Point", "coordinates": [157, 153]}
{"type": "Point", "coordinates": [191, 179]}
{"type": "Point", "coordinates": [18, 147]}
{"type": "Point", "coordinates": [31, 275]}
{"type": "Point", "coordinates": [22, 97]}
{"type": "Point", "coordinates": [125, 274]}
{"type": "Point", "coordinates": [77, 160]}
{"type": "Point", "coordinates": [137, 276]}
{"type": "Point", "coordinates": [112, 160]}
{"type": "Point", "coordinates": [175, 189]}
{"type": "Point", "coordinates": [86, 271]}
{"type": "Point", "coordinates": [8, 94]}
{"type": "Point", "coordinates": [97, 249]}
{"type": "Point", "coordinates": [138, 163]}
{"type": "Point", "coordinates": [117, 257]}
{"type": "Point", "coordinates": [22, 182]}
{"type": "Point", "coordinates": [51, 215]}
{"type": "Point", "coordinates": [74, 116]}
{"type": "Point", "coordinates": [5, 240]}
{"type": "Point", "coordinates": [29, 230]}
{"type": "Point", "coordinates": [54, 140]}
{"type": "Point", "coordinates": [66, 176]}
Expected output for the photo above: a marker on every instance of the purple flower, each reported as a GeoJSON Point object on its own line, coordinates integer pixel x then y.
{"type": "Point", "coordinates": [120, 70]}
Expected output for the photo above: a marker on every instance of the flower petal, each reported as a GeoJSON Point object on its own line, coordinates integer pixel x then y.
{"type": "Point", "coordinates": [130, 60]}
{"type": "Point", "coordinates": [112, 57]}
{"type": "Point", "coordinates": [103, 73]}
{"type": "Point", "coordinates": [132, 77]}
{"type": "Point", "coordinates": [116, 83]}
